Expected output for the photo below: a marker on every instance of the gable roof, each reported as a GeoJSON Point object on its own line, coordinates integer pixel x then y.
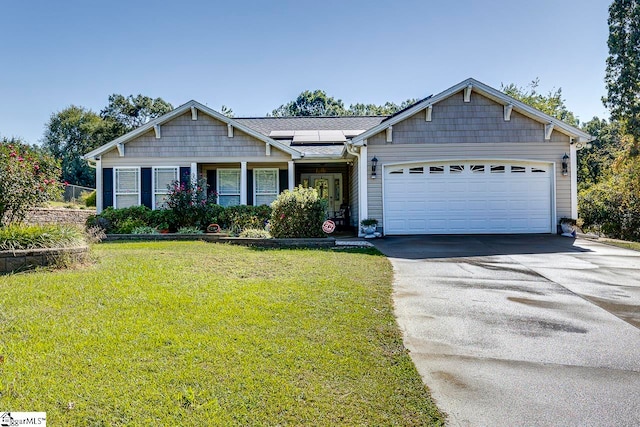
{"type": "Point", "coordinates": [484, 90]}
{"type": "Point", "coordinates": [181, 110]}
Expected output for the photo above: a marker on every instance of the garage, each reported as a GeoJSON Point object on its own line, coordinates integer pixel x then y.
{"type": "Point", "coordinates": [468, 197]}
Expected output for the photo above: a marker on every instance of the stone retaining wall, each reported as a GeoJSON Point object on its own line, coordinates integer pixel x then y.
{"type": "Point", "coordinates": [58, 216]}
{"type": "Point", "coordinates": [12, 261]}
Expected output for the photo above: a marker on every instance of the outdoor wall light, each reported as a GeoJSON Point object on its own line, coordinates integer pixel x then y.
{"type": "Point", "coordinates": [374, 164]}
{"type": "Point", "coordinates": [565, 164]}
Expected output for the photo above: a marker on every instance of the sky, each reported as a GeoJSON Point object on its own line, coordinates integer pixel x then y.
{"type": "Point", "coordinates": [254, 56]}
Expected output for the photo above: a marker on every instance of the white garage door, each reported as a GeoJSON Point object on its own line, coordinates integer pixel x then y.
{"type": "Point", "coordinates": [472, 197]}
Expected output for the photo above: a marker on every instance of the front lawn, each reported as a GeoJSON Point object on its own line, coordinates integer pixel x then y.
{"type": "Point", "coordinates": [191, 333]}
{"type": "Point", "coordinates": [621, 243]}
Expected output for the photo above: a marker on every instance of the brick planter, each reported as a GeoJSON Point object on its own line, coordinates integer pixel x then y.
{"type": "Point", "coordinates": [12, 261]}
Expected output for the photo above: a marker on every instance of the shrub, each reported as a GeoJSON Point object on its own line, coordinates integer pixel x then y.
{"type": "Point", "coordinates": [190, 205]}
{"type": "Point", "coordinates": [255, 233]}
{"type": "Point", "coordinates": [28, 178]}
{"type": "Point", "coordinates": [90, 199]}
{"type": "Point", "coordinates": [298, 213]}
{"type": "Point", "coordinates": [612, 207]}
{"type": "Point", "coordinates": [121, 221]}
{"type": "Point", "coordinates": [95, 234]}
{"type": "Point", "coordinates": [144, 230]}
{"type": "Point", "coordinates": [160, 218]}
{"type": "Point", "coordinates": [237, 218]}
{"type": "Point", "coordinates": [22, 236]}
{"type": "Point", "coordinates": [189, 230]}
{"type": "Point", "coordinates": [128, 225]}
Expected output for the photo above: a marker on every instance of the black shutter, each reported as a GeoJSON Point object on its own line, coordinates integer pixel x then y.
{"type": "Point", "coordinates": [185, 176]}
{"type": "Point", "coordinates": [250, 187]}
{"type": "Point", "coordinates": [147, 194]}
{"type": "Point", "coordinates": [284, 179]}
{"type": "Point", "coordinates": [211, 181]}
{"type": "Point", "coordinates": [107, 187]}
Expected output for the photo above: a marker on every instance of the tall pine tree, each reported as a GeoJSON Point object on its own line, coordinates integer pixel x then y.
{"type": "Point", "coordinates": [623, 67]}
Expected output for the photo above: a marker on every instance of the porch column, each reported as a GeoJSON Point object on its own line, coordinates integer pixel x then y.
{"type": "Point", "coordinates": [291, 175]}
{"type": "Point", "coordinates": [99, 202]}
{"type": "Point", "coordinates": [363, 185]}
{"type": "Point", "coordinates": [194, 173]}
{"type": "Point", "coordinates": [573, 158]}
{"type": "Point", "coordinates": [243, 183]}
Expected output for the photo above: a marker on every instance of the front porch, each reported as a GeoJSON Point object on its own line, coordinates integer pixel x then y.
{"type": "Point", "coordinates": [256, 183]}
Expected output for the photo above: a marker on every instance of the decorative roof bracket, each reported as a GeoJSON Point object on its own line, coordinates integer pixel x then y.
{"type": "Point", "coordinates": [467, 93]}
{"type": "Point", "coordinates": [548, 128]}
{"type": "Point", "coordinates": [507, 112]}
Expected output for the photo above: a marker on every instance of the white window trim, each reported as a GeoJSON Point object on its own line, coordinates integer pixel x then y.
{"type": "Point", "coordinates": [239, 194]}
{"type": "Point", "coordinates": [154, 193]}
{"type": "Point", "coordinates": [255, 186]}
{"type": "Point", "coordinates": [115, 185]}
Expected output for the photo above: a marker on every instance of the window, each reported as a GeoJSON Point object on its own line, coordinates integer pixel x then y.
{"type": "Point", "coordinates": [518, 169]}
{"type": "Point", "coordinates": [537, 170]}
{"type": "Point", "coordinates": [127, 187]}
{"type": "Point", "coordinates": [477, 168]}
{"type": "Point", "coordinates": [416, 170]}
{"type": "Point", "coordinates": [396, 171]}
{"type": "Point", "coordinates": [436, 169]}
{"type": "Point", "coordinates": [456, 168]}
{"type": "Point", "coordinates": [228, 187]}
{"type": "Point", "coordinates": [162, 178]}
{"type": "Point", "coordinates": [497, 169]}
{"type": "Point", "coordinates": [266, 186]}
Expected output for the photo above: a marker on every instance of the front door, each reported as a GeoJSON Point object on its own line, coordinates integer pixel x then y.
{"type": "Point", "coordinates": [329, 187]}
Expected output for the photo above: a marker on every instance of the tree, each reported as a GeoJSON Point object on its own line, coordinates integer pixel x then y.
{"type": "Point", "coordinates": [133, 111]}
{"type": "Point", "coordinates": [387, 109]}
{"type": "Point", "coordinates": [594, 164]}
{"type": "Point", "coordinates": [28, 178]}
{"type": "Point", "coordinates": [318, 103]}
{"type": "Point", "coordinates": [622, 76]}
{"type": "Point", "coordinates": [551, 104]}
{"type": "Point", "coordinates": [74, 131]}
{"type": "Point", "coordinates": [69, 134]}
{"type": "Point", "coordinates": [309, 103]}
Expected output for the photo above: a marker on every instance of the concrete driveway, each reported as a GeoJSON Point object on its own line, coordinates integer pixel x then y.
{"type": "Point", "coordinates": [521, 330]}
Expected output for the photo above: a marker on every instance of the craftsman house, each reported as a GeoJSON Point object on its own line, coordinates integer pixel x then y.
{"type": "Point", "coordinates": [467, 160]}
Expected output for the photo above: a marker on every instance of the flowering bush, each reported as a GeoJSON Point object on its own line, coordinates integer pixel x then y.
{"type": "Point", "coordinates": [298, 213]}
{"type": "Point", "coordinates": [190, 204]}
{"type": "Point", "coordinates": [28, 178]}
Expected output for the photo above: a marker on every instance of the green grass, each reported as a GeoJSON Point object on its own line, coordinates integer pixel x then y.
{"type": "Point", "coordinates": [190, 333]}
{"type": "Point", "coordinates": [621, 243]}
{"type": "Point", "coordinates": [75, 204]}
